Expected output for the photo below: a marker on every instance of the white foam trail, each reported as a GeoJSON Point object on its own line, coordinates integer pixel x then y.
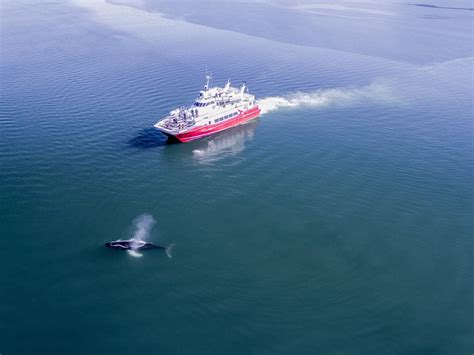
{"type": "Point", "coordinates": [143, 225]}
{"type": "Point", "coordinates": [134, 253]}
{"type": "Point", "coordinates": [373, 92]}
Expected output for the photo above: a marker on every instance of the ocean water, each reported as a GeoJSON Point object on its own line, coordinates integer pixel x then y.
{"type": "Point", "coordinates": [340, 221]}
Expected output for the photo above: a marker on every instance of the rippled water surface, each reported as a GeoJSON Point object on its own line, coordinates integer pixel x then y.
{"type": "Point", "coordinates": [340, 221]}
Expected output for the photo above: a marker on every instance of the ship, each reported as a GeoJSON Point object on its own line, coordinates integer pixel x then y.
{"type": "Point", "coordinates": [214, 110]}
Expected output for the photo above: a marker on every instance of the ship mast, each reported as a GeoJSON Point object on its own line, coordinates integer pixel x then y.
{"type": "Point", "coordinates": [242, 88]}
{"type": "Point", "coordinates": [208, 78]}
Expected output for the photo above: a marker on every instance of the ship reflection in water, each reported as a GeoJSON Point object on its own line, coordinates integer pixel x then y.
{"type": "Point", "coordinates": [229, 142]}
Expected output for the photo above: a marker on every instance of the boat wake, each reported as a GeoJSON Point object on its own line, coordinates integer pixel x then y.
{"type": "Point", "coordinates": [326, 97]}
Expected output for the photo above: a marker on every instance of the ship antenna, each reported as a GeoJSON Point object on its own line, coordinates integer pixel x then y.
{"type": "Point", "coordinates": [208, 78]}
{"type": "Point", "coordinates": [206, 87]}
{"type": "Point", "coordinates": [243, 87]}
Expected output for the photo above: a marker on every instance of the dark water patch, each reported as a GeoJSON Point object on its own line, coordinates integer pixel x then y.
{"type": "Point", "coordinates": [443, 7]}
{"type": "Point", "coordinates": [151, 138]}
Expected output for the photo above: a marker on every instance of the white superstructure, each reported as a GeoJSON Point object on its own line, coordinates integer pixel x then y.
{"type": "Point", "coordinates": [213, 106]}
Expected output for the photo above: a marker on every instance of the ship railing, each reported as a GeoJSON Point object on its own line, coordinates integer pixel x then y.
{"type": "Point", "coordinates": [177, 123]}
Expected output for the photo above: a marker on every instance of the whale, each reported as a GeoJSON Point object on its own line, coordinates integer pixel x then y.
{"type": "Point", "coordinates": [135, 245]}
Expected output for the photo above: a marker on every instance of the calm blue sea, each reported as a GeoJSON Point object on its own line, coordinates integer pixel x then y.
{"type": "Point", "coordinates": [339, 222]}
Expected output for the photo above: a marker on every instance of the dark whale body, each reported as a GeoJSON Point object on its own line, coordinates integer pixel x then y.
{"type": "Point", "coordinates": [132, 244]}
{"type": "Point", "coordinates": [135, 245]}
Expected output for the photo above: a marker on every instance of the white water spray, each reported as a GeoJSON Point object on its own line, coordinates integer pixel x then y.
{"type": "Point", "coordinates": [143, 224]}
{"type": "Point", "coordinates": [320, 98]}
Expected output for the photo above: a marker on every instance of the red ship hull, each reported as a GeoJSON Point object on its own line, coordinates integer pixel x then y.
{"type": "Point", "coordinates": [207, 130]}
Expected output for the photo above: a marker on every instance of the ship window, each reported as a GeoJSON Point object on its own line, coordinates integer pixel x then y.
{"type": "Point", "coordinates": [215, 121]}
